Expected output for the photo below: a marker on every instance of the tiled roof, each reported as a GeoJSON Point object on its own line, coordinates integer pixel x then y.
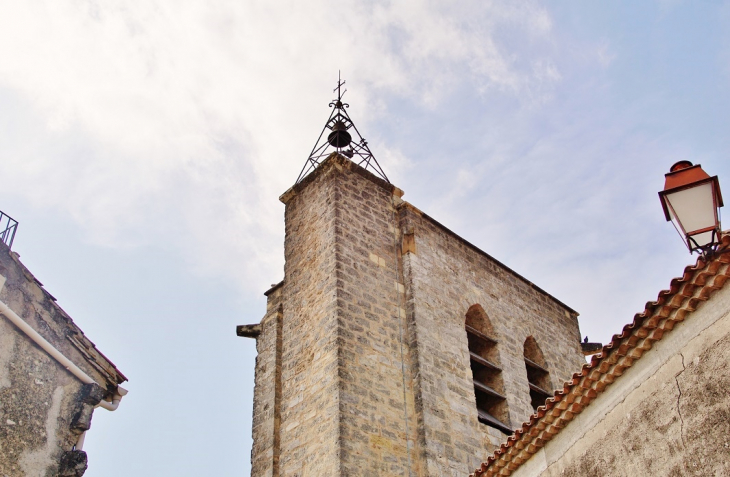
{"type": "Point", "coordinates": [659, 317]}
{"type": "Point", "coordinates": [76, 336]}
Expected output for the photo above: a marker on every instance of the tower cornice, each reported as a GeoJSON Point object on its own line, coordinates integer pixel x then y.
{"type": "Point", "coordinates": [340, 162]}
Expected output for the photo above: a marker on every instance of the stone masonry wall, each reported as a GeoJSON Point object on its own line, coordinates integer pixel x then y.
{"type": "Point", "coordinates": [377, 408]}
{"type": "Point", "coordinates": [444, 277]}
{"type": "Point", "coordinates": [310, 419]}
{"type": "Point", "coordinates": [43, 407]}
{"type": "Point", "coordinates": [346, 407]}
{"type": "Point", "coordinates": [374, 363]}
{"type": "Point", "coordinates": [267, 398]}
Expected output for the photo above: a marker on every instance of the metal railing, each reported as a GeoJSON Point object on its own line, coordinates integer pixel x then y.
{"type": "Point", "coordinates": [8, 226]}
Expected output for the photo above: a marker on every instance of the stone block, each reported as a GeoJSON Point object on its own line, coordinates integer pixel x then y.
{"type": "Point", "coordinates": [73, 464]}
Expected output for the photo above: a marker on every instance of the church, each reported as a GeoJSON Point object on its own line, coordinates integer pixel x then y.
{"type": "Point", "coordinates": [393, 346]}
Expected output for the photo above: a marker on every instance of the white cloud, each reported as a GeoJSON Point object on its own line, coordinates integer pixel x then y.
{"type": "Point", "coordinates": [186, 121]}
{"type": "Point", "coordinates": [605, 54]}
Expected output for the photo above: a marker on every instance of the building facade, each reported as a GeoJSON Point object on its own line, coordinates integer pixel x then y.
{"type": "Point", "coordinates": [655, 401]}
{"type": "Point", "coordinates": [393, 346]}
{"type": "Point", "coordinates": [52, 377]}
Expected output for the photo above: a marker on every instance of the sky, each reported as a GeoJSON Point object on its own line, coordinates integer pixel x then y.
{"type": "Point", "coordinates": [144, 145]}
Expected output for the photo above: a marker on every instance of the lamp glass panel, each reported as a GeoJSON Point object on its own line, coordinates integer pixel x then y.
{"type": "Point", "coordinates": [694, 207]}
{"type": "Point", "coordinates": [702, 239]}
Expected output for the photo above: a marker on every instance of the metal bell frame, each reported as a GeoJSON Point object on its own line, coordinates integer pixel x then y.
{"type": "Point", "coordinates": [339, 124]}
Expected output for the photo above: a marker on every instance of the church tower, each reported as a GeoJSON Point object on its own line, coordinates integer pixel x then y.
{"type": "Point", "coordinates": [392, 346]}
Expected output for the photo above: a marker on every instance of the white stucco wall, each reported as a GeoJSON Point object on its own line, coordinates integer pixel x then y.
{"type": "Point", "coordinates": [666, 415]}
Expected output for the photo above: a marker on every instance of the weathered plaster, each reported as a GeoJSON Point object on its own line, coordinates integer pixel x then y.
{"type": "Point", "coordinates": [666, 415]}
{"type": "Point", "coordinates": [7, 342]}
{"type": "Point", "coordinates": [43, 407]}
{"type": "Point", "coordinates": [36, 462]}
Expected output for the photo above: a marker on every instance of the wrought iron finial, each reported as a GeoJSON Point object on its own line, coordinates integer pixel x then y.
{"type": "Point", "coordinates": [340, 84]}
{"type": "Point", "coordinates": [339, 124]}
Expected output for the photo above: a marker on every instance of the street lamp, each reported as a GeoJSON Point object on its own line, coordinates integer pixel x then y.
{"type": "Point", "coordinates": [691, 200]}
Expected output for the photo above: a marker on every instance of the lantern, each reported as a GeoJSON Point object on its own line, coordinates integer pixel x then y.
{"type": "Point", "coordinates": [691, 200]}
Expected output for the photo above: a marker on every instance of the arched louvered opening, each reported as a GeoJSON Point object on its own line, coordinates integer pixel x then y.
{"type": "Point", "coordinates": [537, 374]}
{"type": "Point", "coordinates": [486, 370]}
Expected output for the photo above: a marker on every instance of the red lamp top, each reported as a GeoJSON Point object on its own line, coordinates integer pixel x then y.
{"type": "Point", "coordinates": [683, 175]}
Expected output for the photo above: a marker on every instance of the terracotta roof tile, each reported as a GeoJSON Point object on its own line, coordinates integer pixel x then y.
{"type": "Point", "coordinates": [685, 294]}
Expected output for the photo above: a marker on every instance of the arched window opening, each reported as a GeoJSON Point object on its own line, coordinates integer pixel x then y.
{"type": "Point", "coordinates": [486, 370]}
{"type": "Point", "coordinates": [538, 376]}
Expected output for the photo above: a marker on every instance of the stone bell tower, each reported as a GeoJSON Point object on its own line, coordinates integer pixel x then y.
{"type": "Point", "coordinates": [392, 346]}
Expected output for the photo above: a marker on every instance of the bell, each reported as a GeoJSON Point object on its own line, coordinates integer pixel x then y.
{"type": "Point", "coordinates": [339, 137]}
